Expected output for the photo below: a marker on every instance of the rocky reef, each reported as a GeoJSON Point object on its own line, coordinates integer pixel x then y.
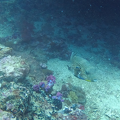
{"type": "Point", "coordinates": [21, 99]}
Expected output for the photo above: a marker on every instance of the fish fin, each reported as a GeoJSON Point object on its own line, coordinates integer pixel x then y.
{"type": "Point", "coordinates": [89, 80]}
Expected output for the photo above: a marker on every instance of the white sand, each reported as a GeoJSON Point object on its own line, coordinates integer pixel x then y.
{"type": "Point", "coordinates": [103, 96]}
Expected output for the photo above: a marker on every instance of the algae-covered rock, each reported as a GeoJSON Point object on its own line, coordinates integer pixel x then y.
{"type": "Point", "coordinates": [77, 96]}
{"type": "Point", "coordinates": [4, 50]}
{"type": "Point", "coordinates": [13, 68]}
{"type": "Point", "coordinates": [73, 94]}
{"type": "Point", "coordinates": [73, 97]}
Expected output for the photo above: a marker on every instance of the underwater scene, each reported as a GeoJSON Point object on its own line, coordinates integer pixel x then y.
{"type": "Point", "coordinates": [59, 60]}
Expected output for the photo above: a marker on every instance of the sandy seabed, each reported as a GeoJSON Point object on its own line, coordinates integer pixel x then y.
{"type": "Point", "coordinates": [103, 96]}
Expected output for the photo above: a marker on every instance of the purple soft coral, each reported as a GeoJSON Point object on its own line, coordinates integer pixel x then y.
{"type": "Point", "coordinates": [58, 96]}
{"type": "Point", "coordinates": [36, 88]}
{"type": "Point", "coordinates": [49, 85]}
{"type": "Point", "coordinates": [51, 77]}
{"type": "Point", "coordinates": [51, 82]}
{"type": "Point", "coordinates": [42, 85]}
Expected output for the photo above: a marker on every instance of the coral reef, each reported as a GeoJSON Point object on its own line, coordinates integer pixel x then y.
{"type": "Point", "coordinates": [70, 113]}
{"type": "Point", "coordinates": [15, 99]}
{"type": "Point", "coordinates": [28, 101]}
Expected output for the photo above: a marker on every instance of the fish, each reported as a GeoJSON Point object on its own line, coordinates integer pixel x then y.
{"type": "Point", "coordinates": [77, 73]}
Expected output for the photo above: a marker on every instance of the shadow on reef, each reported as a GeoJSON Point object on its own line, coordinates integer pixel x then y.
{"type": "Point", "coordinates": [51, 47]}
{"type": "Point", "coordinates": [43, 46]}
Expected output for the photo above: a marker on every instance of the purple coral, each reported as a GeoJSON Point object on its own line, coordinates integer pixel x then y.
{"type": "Point", "coordinates": [51, 82]}
{"type": "Point", "coordinates": [51, 77]}
{"type": "Point", "coordinates": [36, 88]}
{"type": "Point", "coordinates": [48, 86]}
{"type": "Point", "coordinates": [42, 85]}
{"type": "Point", "coordinates": [58, 96]}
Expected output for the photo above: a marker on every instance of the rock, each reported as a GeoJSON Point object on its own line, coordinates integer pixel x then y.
{"type": "Point", "coordinates": [4, 50]}
{"type": "Point", "coordinates": [13, 68]}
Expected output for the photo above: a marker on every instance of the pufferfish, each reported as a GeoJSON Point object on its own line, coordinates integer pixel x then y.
{"type": "Point", "coordinates": [77, 73]}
